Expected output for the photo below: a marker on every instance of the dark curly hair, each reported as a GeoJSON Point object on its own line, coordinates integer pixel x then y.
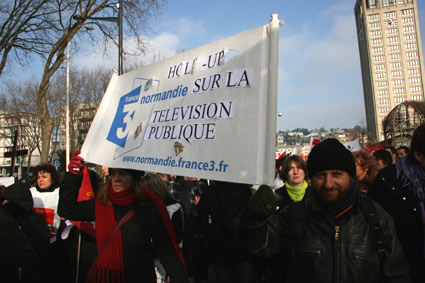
{"type": "Point", "coordinates": [48, 168]}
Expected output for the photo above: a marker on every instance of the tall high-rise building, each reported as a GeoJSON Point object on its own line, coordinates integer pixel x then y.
{"type": "Point", "coordinates": [391, 57]}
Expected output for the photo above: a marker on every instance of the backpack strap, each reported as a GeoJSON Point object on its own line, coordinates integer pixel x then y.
{"type": "Point", "coordinates": [369, 210]}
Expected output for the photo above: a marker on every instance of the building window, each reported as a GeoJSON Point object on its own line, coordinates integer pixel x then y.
{"type": "Point", "coordinates": [393, 39]}
{"type": "Point", "coordinates": [407, 20]}
{"type": "Point", "coordinates": [398, 82]}
{"type": "Point", "coordinates": [381, 75]}
{"type": "Point", "coordinates": [383, 101]}
{"type": "Point", "coordinates": [395, 56]}
{"type": "Point", "coordinates": [395, 64]}
{"type": "Point", "coordinates": [406, 11]}
{"type": "Point", "coordinates": [398, 90]}
{"type": "Point", "coordinates": [382, 92]}
{"type": "Point", "coordinates": [417, 97]}
{"type": "Point", "coordinates": [409, 29]}
{"type": "Point", "coordinates": [397, 73]}
{"type": "Point", "coordinates": [413, 71]}
{"type": "Point", "coordinates": [415, 89]}
{"type": "Point", "coordinates": [391, 31]}
{"type": "Point", "coordinates": [409, 37]}
{"type": "Point", "coordinates": [375, 25]}
{"type": "Point", "coordinates": [414, 80]}
{"type": "Point", "coordinates": [399, 99]}
{"type": "Point", "coordinates": [373, 3]}
{"type": "Point", "coordinates": [377, 41]}
{"type": "Point", "coordinates": [410, 45]}
{"type": "Point", "coordinates": [412, 54]}
{"type": "Point", "coordinates": [374, 17]}
{"type": "Point", "coordinates": [412, 62]}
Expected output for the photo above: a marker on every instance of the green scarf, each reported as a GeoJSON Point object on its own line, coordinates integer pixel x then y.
{"type": "Point", "coordinates": [296, 194]}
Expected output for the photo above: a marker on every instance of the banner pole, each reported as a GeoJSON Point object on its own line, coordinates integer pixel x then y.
{"type": "Point", "coordinates": [275, 23]}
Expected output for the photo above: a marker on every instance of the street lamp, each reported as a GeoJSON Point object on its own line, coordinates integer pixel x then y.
{"type": "Point", "coordinates": [118, 21]}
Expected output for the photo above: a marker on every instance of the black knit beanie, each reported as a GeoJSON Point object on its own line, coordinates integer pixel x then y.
{"type": "Point", "coordinates": [330, 154]}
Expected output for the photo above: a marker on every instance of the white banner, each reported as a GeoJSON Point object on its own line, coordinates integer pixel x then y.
{"type": "Point", "coordinates": [353, 145]}
{"type": "Point", "coordinates": [204, 113]}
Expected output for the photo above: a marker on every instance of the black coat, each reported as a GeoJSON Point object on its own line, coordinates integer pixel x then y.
{"type": "Point", "coordinates": [403, 206]}
{"type": "Point", "coordinates": [217, 211]}
{"type": "Point", "coordinates": [24, 237]}
{"type": "Point", "coordinates": [144, 236]}
{"type": "Point", "coordinates": [320, 250]}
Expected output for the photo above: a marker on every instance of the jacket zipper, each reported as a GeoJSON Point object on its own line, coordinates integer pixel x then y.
{"type": "Point", "coordinates": [336, 257]}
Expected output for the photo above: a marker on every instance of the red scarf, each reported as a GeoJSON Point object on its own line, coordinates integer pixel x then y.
{"type": "Point", "coordinates": [110, 267]}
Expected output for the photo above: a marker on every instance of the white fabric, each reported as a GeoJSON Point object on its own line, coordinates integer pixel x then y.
{"type": "Point", "coordinates": [204, 113]}
{"type": "Point", "coordinates": [46, 204]}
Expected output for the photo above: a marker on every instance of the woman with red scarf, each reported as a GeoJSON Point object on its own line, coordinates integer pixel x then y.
{"type": "Point", "coordinates": [128, 256]}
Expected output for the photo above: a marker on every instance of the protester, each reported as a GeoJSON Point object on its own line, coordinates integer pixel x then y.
{"type": "Point", "coordinates": [337, 235]}
{"type": "Point", "coordinates": [402, 151]}
{"type": "Point", "coordinates": [393, 153]}
{"type": "Point", "coordinates": [156, 184]}
{"type": "Point", "coordinates": [188, 191]}
{"type": "Point", "coordinates": [278, 182]}
{"type": "Point", "coordinates": [295, 188]}
{"type": "Point", "coordinates": [218, 208]}
{"type": "Point", "coordinates": [366, 170]}
{"type": "Point", "coordinates": [399, 189]}
{"type": "Point", "coordinates": [79, 237]}
{"type": "Point", "coordinates": [146, 231]}
{"type": "Point", "coordinates": [45, 195]}
{"type": "Point", "coordinates": [383, 158]}
{"type": "Point", "coordinates": [24, 237]}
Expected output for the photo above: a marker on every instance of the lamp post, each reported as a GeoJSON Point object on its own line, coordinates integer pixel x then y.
{"type": "Point", "coordinates": [118, 21]}
{"type": "Point", "coordinates": [68, 141]}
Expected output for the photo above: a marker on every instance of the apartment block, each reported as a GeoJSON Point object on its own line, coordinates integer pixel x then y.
{"type": "Point", "coordinates": [391, 57]}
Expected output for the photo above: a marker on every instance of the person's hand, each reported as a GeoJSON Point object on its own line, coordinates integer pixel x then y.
{"type": "Point", "coordinates": [76, 165]}
{"type": "Point", "coordinates": [263, 203]}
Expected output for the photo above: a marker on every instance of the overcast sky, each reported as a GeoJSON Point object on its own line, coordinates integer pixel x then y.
{"type": "Point", "coordinates": [319, 66]}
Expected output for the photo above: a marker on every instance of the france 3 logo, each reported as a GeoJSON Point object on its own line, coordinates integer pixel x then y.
{"type": "Point", "coordinates": [128, 118]}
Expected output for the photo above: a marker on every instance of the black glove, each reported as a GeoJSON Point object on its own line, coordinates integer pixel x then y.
{"type": "Point", "coordinates": [263, 203]}
{"type": "Point", "coordinates": [76, 165]}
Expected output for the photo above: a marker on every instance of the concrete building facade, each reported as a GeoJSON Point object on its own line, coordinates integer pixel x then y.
{"type": "Point", "coordinates": [391, 57]}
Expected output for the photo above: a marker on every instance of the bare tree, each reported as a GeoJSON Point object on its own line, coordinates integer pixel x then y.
{"type": "Point", "coordinates": [19, 105]}
{"type": "Point", "coordinates": [86, 87]}
{"type": "Point", "coordinates": [56, 23]}
{"type": "Point", "coordinates": [21, 33]}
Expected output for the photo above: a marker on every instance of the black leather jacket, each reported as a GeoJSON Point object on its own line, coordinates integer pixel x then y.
{"type": "Point", "coordinates": [320, 250]}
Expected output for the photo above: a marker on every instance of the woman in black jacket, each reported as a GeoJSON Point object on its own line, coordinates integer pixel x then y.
{"type": "Point", "coordinates": [129, 255]}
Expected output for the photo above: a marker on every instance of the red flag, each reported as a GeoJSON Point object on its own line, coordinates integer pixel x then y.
{"type": "Point", "coordinates": [85, 193]}
{"type": "Point", "coordinates": [279, 155]}
{"type": "Point", "coordinates": [313, 143]}
{"type": "Point", "coordinates": [371, 150]}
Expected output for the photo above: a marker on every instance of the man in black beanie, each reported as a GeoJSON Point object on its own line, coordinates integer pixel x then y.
{"type": "Point", "coordinates": [337, 235]}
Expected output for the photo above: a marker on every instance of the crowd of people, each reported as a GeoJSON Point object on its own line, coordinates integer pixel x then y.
{"type": "Point", "coordinates": [340, 216]}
